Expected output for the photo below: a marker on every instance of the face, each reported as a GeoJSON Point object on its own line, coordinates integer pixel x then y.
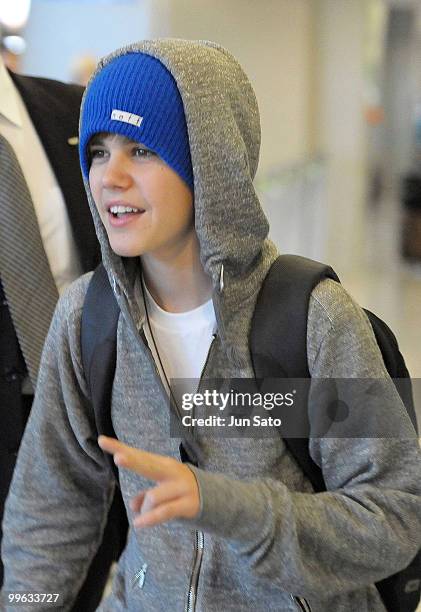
{"type": "Point", "coordinates": [145, 206]}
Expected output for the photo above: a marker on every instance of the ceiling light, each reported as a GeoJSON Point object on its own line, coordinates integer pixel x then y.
{"type": "Point", "coordinates": [14, 13]}
{"type": "Point", "coordinates": [14, 44]}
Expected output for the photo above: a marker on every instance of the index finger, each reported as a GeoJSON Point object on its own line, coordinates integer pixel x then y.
{"type": "Point", "coordinates": [149, 465]}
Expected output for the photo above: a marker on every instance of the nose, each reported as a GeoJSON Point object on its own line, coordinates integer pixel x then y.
{"type": "Point", "coordinates": [116, 173]}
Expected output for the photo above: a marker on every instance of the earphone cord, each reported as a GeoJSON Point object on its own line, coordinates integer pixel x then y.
{"type": "Point", "coordinates": [172, 397]}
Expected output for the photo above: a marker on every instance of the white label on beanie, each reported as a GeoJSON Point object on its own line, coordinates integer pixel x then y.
{"type": "Point", "coordinates": [125, 117]}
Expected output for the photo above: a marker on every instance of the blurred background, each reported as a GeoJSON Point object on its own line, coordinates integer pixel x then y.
{"type": "Point", "coordinates": [339, 88]}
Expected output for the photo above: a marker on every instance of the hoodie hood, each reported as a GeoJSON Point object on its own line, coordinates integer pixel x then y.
{"type": "Point", "coordinates": [223, 127]}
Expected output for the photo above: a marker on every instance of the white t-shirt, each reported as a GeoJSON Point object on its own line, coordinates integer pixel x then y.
{"type": "Point", "coordinates": [182, 340]}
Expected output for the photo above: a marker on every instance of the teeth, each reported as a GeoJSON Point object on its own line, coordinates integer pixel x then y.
{"type": "Point", "coordinates": [115, 210]}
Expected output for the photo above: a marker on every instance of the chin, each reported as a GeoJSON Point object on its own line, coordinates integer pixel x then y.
{"type": "Point", "coordinates": [124, 250]}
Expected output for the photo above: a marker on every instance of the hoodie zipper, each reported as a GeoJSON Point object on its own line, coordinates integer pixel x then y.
{"type": "Point", "coordinates": [219, 322]}
{"type": "Point", "coordinates": [207, 359]}
{"type": "Point", "coordinates": [158, 376]}
{"type": "Point", "coordinates": [204, 368]}
{"type": "Point", "coordinates": [301, 603]}
{"type": "Point", "coordinates": [198, 554]}
{"type": "Point", "coordinates": [199, 544]}
{"type": "Point", "coordinates": [199, 537]}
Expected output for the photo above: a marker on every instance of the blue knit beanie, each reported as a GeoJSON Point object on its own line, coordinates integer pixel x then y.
{"type": "Point", "coordinates": [136, 96]}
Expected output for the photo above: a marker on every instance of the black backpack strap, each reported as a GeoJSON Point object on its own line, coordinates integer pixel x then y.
{"type": "Point", "coordinates": [98, 346]}
{"type": "Point", "coordinates": [278, 336]}
{"type": "Point", "coordinates": [98, 341]}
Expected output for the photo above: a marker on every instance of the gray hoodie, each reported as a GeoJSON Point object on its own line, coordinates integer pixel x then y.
{"type": "Point", "coordinates": [262, 540]}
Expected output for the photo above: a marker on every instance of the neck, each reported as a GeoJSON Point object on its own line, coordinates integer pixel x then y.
{"type": "Point", "coordinates": [177, 283]}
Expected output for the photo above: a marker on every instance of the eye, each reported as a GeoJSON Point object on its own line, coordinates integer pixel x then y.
{"type": "Point", "coordinates": [143, 152]}
{"type": "Point", "coordinates": [96, 152]}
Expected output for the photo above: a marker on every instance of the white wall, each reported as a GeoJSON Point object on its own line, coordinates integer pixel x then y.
{"type": "Point", "coordinates": [58, 31]}
{"type": "Point", "coordinates": [341, 133]}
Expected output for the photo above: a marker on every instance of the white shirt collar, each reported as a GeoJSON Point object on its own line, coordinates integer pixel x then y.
{"type": "Point", "coordinates": [9, 98]}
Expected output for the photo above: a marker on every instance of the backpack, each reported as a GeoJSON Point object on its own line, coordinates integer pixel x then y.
{"type": "Point", "coordinates": [283, 306]}
{"type": "Point", "coordinates": [280, 313]}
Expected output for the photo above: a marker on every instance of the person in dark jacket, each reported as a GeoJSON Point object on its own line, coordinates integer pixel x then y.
{"type": "Point", "coordinates": [39, 121]}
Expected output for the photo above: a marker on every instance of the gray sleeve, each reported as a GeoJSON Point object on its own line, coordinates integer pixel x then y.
{"type": "Point", "coordinates": [62, 487]}
{"type": "Point", "coordinates": [367, 525]}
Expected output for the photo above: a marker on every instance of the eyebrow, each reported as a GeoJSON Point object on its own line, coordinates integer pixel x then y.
{"type": "Point", "coordinates": [98, 139]}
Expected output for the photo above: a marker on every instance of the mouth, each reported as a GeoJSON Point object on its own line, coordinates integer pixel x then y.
{"type": "Point", "coordinates": [119, 211]}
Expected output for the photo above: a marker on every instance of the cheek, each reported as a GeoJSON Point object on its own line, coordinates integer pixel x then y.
{"type": "Point", "coordinates": [178, 198]}
{"type": "Point", "coordinates": [94, 185]}
{"type": "Point", "coordinates": [186, 207]}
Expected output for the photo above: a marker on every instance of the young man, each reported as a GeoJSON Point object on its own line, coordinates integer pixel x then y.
{"type": "Point", "coordinates": [169, 144]}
